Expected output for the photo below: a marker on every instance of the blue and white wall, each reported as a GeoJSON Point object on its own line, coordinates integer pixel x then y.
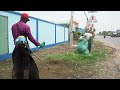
{"type": "Point", "coordinates": [59, 34]}
{"type": "Point", "coordinates": [41, 30]}
{"type": "Point", "coordinates": [66, 34]}
{"type": "Point", "coordinates": [46, 32]}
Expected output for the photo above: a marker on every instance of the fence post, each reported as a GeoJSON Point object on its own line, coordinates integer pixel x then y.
{"type": "Point", "coordinates": [55, 33]}
{"type": "Point", "coordinates": [37, 30]}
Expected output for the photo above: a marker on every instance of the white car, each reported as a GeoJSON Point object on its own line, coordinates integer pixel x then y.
{"type": "Point", "coordinates": [114, 35]}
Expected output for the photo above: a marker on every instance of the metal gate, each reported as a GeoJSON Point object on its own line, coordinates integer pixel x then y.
{"type": "Point", "coordinates": [3, 34]}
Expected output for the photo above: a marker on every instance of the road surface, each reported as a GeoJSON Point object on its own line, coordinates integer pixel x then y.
{"type": "Point", "coordinates": [112, 41]}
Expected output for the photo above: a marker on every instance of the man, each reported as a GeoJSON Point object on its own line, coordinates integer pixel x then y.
{"type": "Point", "coordinates": [93, 36]}
{"type": "Point", "coordinates": [88, 35]}
{"type": "Point", "coordinates": [104, 35]}
{"type": "Point", "coordinates": [93, 33]}
{"type": "Point", "coordinates": [24, 66]}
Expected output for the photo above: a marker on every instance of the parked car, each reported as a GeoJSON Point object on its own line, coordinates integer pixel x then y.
{"type": "Point", "coordinates": [114, 34]}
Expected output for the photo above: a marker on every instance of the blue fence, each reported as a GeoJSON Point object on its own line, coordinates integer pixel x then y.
{"type": "Point", "coordinates": [53, 34]}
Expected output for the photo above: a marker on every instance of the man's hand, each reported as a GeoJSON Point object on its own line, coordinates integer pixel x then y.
{"type": "Point", "coordinates": [42, 45]}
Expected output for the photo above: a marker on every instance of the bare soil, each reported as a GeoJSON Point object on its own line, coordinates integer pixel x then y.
{"type": "Point", "coordinates": [68, 70]}
{"type": "Point", "coordinates": [110, 68]}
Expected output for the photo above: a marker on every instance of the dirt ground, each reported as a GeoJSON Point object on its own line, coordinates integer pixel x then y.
{"type": "Point", "coordinates": [108, 69]}
{"type": "Point", "coordinates": [58, 69]}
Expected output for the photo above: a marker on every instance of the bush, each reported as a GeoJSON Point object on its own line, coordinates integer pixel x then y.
{"type": "Point", "coordinates": [77, 35]}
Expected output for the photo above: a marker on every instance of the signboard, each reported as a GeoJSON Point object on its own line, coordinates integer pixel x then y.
{"type": "Point", "coordinates": [92, 19]}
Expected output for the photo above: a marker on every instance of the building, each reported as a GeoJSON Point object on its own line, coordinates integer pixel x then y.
{"type": "Point", "coordinates": [52, 33]}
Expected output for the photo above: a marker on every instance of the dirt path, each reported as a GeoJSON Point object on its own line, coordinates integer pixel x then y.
{"type": "Point", "coordinates": [109, 69]}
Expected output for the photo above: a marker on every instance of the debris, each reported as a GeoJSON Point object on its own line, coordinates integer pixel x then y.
{"type": "Point", "coordinates": [68, 77]}
{"type": "Point", "coordinates": [105, 54]}
{"type": "Point", "coordinates": [82, 46]}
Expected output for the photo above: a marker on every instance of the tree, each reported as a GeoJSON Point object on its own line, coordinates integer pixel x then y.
{"type": "Point", "coordinates": [104, 32]}
{"type": "Point", "coordinates": [100, 33]}
{"type": "Point", "coordinates": [109, 33]}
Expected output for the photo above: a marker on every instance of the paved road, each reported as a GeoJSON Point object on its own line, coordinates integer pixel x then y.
{"type": "Point", "coordinates": [111, 41]}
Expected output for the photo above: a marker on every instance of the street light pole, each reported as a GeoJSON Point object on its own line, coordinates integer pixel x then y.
{"type": "Point", "coordinates": [71, 29]}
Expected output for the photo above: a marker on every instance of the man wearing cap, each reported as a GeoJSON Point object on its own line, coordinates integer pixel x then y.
{"type": "Point", "coordinates": [24, 66]}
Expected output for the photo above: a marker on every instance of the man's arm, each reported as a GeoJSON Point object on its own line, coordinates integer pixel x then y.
{"type": "Point", "coordinates": [30, 37]}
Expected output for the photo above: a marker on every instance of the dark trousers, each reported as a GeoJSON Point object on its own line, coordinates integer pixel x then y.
{"type": "Point", "coordinates": [90, 44]}
{"type": "Point", "coordinates": [24, 66]}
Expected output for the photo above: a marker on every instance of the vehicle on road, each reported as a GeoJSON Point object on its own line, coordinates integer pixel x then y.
{"type": "Point", "coordinates": [114, 34]}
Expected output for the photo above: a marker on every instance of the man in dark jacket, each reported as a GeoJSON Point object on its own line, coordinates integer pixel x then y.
{"type": "Point", "coordinates": [88, 36]}
{"type": "Point", "coordinates": [24, 66]}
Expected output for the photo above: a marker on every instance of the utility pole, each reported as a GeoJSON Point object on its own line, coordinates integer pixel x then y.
{"type": "Point", "coordinates": [71, 29]}
{"type": "Point", "coordinates": [86, 19]}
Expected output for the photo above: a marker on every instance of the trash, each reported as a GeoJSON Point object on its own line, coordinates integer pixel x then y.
{"type": "Point", "coordinates": [68, 77]}
{"type": "Point", "coordinates": [105, 54]}
{"type": "Point", "coordinates": [82, 46]}
{"type": "Point", "coordinates": [2, 69]}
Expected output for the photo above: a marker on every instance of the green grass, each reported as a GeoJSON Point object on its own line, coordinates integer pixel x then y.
{"type": "Point", "coordinates": [98, 53]}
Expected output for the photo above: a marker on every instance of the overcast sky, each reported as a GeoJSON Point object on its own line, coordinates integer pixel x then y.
{"type": "Point", "coordinates": [107, 20]}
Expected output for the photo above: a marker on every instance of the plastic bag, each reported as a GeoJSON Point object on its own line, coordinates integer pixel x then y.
{"type": "Point", "coordinates": [83, 46]}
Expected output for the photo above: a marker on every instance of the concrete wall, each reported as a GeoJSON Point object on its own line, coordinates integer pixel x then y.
{"type": "Point", "coordinates": [59, 34]}
{"type": "Point", "coordinates": [46, 32]}
{"type": "Point", "coordinates": [41, 30]}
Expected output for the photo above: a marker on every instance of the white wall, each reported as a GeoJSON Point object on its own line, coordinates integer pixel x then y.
{"type": "Point", "coordinates": [59, 34]}
{"type": "Point", "coordinates": [12, 18]}
{"type": "Point", "coordinates": [46, 32]}
{"type": "Point", "coordinates": [32, 25]}
{"type": "Point", "coordinates": [66, 34]}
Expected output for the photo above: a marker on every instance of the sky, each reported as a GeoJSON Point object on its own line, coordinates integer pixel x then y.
{"type": "Point", "coordinates": [107, 20]}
